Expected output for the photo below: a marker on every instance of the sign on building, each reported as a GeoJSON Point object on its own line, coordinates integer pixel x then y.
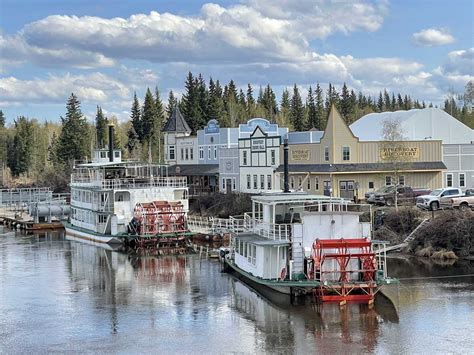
{"type": "Point", "coordinates": [391, 153]}
{"type": "Point", "coordinates": [300, 154]}
{"type": "Point", "coordinates": [258, 144]}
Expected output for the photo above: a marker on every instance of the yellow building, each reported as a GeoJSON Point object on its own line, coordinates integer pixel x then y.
{"type": "Point", "coordinates": [349, 167]}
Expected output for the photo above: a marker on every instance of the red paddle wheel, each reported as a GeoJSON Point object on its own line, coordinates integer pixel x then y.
{"type": "Point", "coordinates": [346, 270]}
{"type": "Point", "coordinates": [160, 224]}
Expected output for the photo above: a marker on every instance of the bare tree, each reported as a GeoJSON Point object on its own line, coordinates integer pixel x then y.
{"type": "Point", "coordinates": [395, 151]}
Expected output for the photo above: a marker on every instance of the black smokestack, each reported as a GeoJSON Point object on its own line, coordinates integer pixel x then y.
{"type": "Point", "coordinates": [285, 166]}
{"type": "Point", "coordinates": [111, 142]}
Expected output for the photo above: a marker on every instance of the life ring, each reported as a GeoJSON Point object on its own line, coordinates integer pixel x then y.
{"type": "Point", "coordinates": [283, 274]}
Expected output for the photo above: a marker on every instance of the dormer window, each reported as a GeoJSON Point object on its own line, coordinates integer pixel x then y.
{"type": "Point", "coordinates": [346, 153]}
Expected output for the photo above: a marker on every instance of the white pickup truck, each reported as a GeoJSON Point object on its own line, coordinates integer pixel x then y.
{"type": "Point", "coordinates": [432, 201]}
{"type": "Point", "coordinates": [462, 202]}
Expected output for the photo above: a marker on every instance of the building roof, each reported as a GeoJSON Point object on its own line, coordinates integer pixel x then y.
{"type": "Point", "coordinates": [291, 197]}
{"type": "Point", "coordinates": [176, 123]}
{"type": "Point", "coordinates": [417, 124]}
{"type": "Point", "coordinates": [359, 167]}
{"type": "Point", "coordinates": [193, 170]}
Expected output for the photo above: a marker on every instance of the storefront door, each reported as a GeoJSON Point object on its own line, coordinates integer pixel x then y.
{"type": "Point", "coordinates": [346, 189]}
{"type": "Point", "coordinates": [327, 188]}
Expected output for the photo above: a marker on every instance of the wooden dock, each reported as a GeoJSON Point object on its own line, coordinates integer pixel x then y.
{"type": "Point", "coordinates": [28, 225]}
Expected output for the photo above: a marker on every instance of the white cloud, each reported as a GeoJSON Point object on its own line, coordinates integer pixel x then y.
{"type": "Point", "coordinates": [456, 71]}
{"type": "Point", "coordinates": [431, 37]}
{"type": "Point", "coordinates": [94, 87]}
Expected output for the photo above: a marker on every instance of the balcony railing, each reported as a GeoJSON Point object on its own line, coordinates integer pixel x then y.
{"type": "Point", "coordinates": [133, 183]}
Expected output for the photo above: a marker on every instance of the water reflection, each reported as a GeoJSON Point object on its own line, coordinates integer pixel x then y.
{"type": "Point", "coordinates": [64, 295]}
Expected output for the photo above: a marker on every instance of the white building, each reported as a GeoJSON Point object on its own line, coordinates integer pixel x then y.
{"type": "Point", "coordinates": [429, 124]}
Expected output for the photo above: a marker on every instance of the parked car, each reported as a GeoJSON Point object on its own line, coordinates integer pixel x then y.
{"type": "Point", "coordinates": [461, 202]}
{"type": "Point", "coordinates": [405, 195]}
{"type": "Point", "coordinates": [432, 201]}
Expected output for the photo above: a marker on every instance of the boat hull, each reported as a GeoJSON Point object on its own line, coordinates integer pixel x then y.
{"type": "Point", "coordinates": [91, 236]}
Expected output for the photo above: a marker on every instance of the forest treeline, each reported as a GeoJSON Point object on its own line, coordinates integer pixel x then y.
{"type": "Point", "coordinates": [42, 153]}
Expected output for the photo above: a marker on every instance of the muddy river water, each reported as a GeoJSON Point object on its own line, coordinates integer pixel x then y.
{"type": "Point", "coordinates": [58, 295]}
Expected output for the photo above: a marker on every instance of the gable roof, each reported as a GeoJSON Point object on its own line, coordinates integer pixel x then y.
{"type": "Point", "coordinates": [176, 123]}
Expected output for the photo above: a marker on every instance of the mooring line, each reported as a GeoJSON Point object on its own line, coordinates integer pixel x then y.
{"type": "Point", "coordinates": [435, 277]}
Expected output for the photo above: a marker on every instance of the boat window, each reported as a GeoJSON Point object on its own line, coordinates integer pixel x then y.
{"type": "Point", "coordinates": [254, 254]}
{"type": "Point", "coordinates": [245, 249]}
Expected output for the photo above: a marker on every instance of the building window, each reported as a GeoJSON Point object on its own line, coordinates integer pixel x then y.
{"type": "Point", "coordinates": [255, 182]}
{"type": "Point", "coordinates": [102, 155]}
{"type": "Point", "coordinates": [401, 180]}
{"type": "Point", "coordinates": [449, 180]}
{"type": "Point", "coordinates": [186, 153]}
{"type": "Point", "coordinates": [300, 182]}
{"type": "Point", "coordinates": [272, 154]}
{"type": "Point", "coordinates": [262, 182]}
{"type": "Point", "coordinates": [182, 153]}
{"type": "Point", "coordinates": [371, 184]}
{"type": "Point", "coordinates": [248, 182]}
{"type": "Point", "coordinates": [316, 183]}
{"type": "Point", "coordinates": [233, 184]}
{"type": "Point", "coordinates": [269, 182]}
{"type": "Point", "coordinates": [215, 153]}
{"type": "Point", "coordinates": [191, 153]}
{"type": "Point", "coordinates": [388, 180]}
{"type": "Point", "coordinates": [117, 154]}
{"type": "Point", "coordinates": [201, 153]}
{"type": "Point", "coordinates": [209, 153]}
{"type": "Point", "coordinates": [462, 180]}
{"type": "Point", "coordinates": [244, 157]}
{"type": "Point", "coordinates": [223, 184]}
{"type": "Point", "coordinates": [326, 153]}
{"type": "Point", "coordinates": [292, 182]}
{"type": "Point", "coordinates": [309, 183]}
{"type": "Point", "coordinates": [346, 153]}
{"type": "Point", "coordinates": [172, 157]}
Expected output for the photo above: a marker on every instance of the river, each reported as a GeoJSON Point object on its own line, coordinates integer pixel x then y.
{"type": "Point", "coordinates": [58, 295]}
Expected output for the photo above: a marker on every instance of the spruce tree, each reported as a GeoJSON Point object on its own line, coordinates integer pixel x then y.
{"type": "Point", "coordinates": [399, 102]}
{"type": "Point", "coordinates": [311, 107]}
{"type": "Point", "coordinates": [190, 105]}
{"type": "Point", "coordinates": [380, 104]}
{"type": "Point", "coordinates": [149, 116]}
{"type": "Point", "coordinates": [393, 103]}
{"type": "Point", "coordinates": [346, 108]}
{"type": "Point", "coordinates": [135, 117]}
{"type": "Point", "coordinates": [2, 119]}
{"type": "Point", "coordinates": [171, 105]}
{"type": "Point", "coordinates": [74, 140]}
{"type": "Point", "coordinates": [386, 100]}
{"type": "Point", "coordinates": [157, 138]}
{"type": "Point", "coordinates": [285, 108]}
{"type": "Point", "coordinates": [20, 152]}
{"type": "Point", "coordinates": [297, 110]}
{"type": "Point", "coordinates": [216, 103]}
{"type": "Point", "coordinates": [250, 108]}
{"type": "Point", "coordinates": [320, 113]}
{"type": "Point", "coordinates": [100, 128]}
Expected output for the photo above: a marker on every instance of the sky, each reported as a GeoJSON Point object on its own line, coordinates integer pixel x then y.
{"type": "Point", "coordinates": [105, 50]}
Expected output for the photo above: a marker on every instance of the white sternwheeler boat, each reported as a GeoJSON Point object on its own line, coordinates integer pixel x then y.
{"type": "Point", "coordinates": [296, 243]}
{"type": "Point", "coordinates": [114, 200]}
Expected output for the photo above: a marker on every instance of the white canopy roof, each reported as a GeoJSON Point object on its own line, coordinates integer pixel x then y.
{"type": "Point", "coordinates": [417, 124]}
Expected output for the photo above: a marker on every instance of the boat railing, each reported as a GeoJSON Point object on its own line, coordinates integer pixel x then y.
{"type": "Point", "coordinates": [267, 230]}
{"type": "Point", "coordinates": [136, 183]}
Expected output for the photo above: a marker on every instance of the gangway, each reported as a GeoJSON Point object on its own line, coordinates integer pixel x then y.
{"type": "Point", "coordinates": [407, 240]}
{"type": "Point", "coordinates": [212, 225]}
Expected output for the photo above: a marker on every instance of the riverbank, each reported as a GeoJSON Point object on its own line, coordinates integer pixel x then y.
{"type": "Point", "coordinates": [445, 234]}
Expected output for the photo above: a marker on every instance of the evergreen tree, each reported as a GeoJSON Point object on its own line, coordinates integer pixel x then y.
{"type": "Point", "coordinates": [386, 100]}
{"type": "Point", "coordinates": [136, 119]}
{"type": "Point", "coordinates": [157, 146]}
{"type": "Point", "coordinates": [20, 152]}
{"type": "Point", "coordinates": [149, 116]}
{"type": "Point", "coordinates": [250, 101]}
{"type": "Point", "coordinates": [285, 109]}
{"type": "Point", "coordinates": [242, 99]}
{"type": "Point", "coordinates": [399, 102]}
{"type": "Point", "coordinates": [203, 98]}
{"type": "Point", "coordinates": [297, 110]}
{"type": "Point", "coordinates": [320, 113]}
{"type": "Point", "coordinates": [312, 114]}
{"type": "Point", "coordinates": [380, 104]}
{"type": "Point", "coordinates": [172, 103]}
{"type": "Point", "coordinates": [74, 140]}
{"type": "Point", "coordinates": [393, 103]}
{"type": "Point", "coordinates": [332, 97]}
{"type": "Point", "coordinates": [406, 103]}
{"type": "Point", "coordinates": [2, 119]}
{"type": "Point", "coordinates": [190, 103]}
{"type": "Point", "coordinates": [269, 103]}
{"type": "Point", "coordinates": [346, 105]}
{"type": "Point", "coordinates": [100, 128]}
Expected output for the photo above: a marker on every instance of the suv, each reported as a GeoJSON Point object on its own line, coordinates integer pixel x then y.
{"type": "Point", "coordinates": [432, 201]}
